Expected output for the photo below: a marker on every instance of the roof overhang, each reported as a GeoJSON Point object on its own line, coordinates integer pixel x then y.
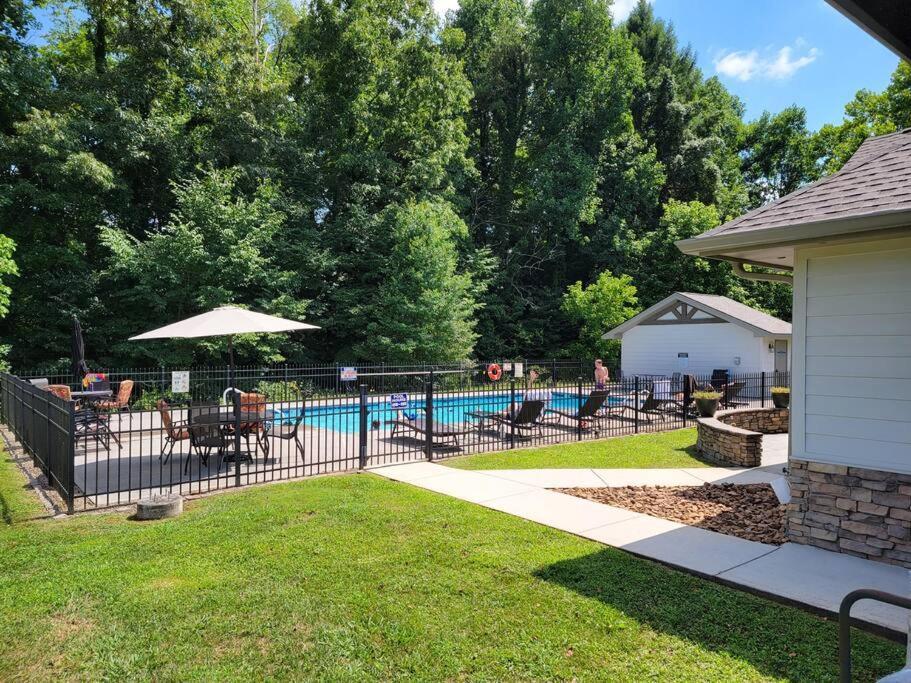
{"type": "Point", "coordinates": [618, 331]}
{"type": "Point", "coordinates": [774, 247]}
{"type": "Point", "coordinates": [889, 21]}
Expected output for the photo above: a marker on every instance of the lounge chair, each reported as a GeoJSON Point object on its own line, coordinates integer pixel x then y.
{"type": "Point", "coordinates": [441, 430]}
{"type": "Point", "coordinates": [588, 413]}
{"type": "Point", "coordinates": [627, 403]}
{"type": "Point", "coordinates": [524, 419]}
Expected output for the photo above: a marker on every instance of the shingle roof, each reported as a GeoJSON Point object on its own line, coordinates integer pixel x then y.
{"type": "Point", "coordinates": [742, 312]}
{"type": "Point", "coordinates": [875, 180]}
{"type": "Point", "coordinates": [761, 324]}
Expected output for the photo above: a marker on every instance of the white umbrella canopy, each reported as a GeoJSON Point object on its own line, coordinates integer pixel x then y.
{"type": "Point", "coordinates": [224, 321]}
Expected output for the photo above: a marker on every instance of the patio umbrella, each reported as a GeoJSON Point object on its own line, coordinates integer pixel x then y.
{"type": "Point", "coordinates": [225, 321]}
{"type": "Point", "coordinates": [77, 351]}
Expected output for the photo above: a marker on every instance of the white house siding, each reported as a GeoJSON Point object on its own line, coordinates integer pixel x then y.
{"type": "Point", "coordinates": [852, 355]}
{"type": "Point", "coordinates": [653, 349]}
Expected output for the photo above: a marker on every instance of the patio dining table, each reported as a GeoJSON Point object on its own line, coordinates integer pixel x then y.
{"type": "Point", "coordinates": [226, 417]}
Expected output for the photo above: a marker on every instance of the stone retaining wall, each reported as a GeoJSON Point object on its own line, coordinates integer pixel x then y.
{"type": "Point", "coordinates": [734, 437]}
{"type": "Point", "coordinates": [851, 510]}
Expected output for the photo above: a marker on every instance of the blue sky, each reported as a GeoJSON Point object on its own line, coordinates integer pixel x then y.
{"type": "Point", "coordinates": [774, 53]}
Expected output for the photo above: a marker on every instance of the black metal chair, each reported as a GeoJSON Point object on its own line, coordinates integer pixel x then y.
{"type": "Point", "coordinates": [206, 434]}
{"type": "Point", "coordinates": [286, 429]}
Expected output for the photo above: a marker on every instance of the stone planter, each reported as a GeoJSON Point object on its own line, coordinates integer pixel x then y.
{"type": "Point", "coordinates": [707, 407]}
{"type": "Point", "coordinates": [781, 400]}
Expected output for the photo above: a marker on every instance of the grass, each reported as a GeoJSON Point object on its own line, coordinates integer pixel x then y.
{"type": "Point", "coordinates": [15, 504]}
{"type": "Point", "coordinates": [664, 449]}
{"type": "Point", "coordinates": [358, 578]}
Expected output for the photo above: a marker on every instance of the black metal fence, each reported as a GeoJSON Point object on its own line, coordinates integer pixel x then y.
{"type": "Point", "coordinates": [291, 423]}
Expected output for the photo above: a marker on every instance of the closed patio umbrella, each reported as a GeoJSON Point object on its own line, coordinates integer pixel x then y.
{"type": "Point", "coordinates": [77, 349]}
{"type": "Point", "coordinates": [225, 321]}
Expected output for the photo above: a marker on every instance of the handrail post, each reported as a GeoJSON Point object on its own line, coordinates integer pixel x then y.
{"type": "Point", "coordinates": [762, 388]}
{"type": "Point", "coordinates": [844, 623]}
{"type": "Point", "coordinates": [686, 398]}
{"type": "Point", "coordinates": [428, 411]}
{"type": "Point", "coordinates": [636, 402]}
{"type": "Point", "coordinates": [579, 405]}
{"type": "Point", "coordinates": [362, 430]}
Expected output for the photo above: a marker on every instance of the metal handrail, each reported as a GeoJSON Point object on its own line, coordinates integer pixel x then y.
{"type": "Point", "coordinates": [844, 623]}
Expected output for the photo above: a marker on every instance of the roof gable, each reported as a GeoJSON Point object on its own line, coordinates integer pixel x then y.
{"type": "Point", "coordinates": [692, 308]}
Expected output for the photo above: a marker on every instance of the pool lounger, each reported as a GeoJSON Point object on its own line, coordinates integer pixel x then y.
{"type": "Point", "coordinates": [440, 430]}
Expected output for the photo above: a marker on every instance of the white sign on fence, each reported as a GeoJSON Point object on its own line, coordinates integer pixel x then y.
{"type": "Point", "coordinates": [347, 374]}
{"type": "Point", "coordinates": [180, 382]}
{"type": "Point", "coordinates": [398, 402]}
{"type": "Point", "coordinates": [518, 370]}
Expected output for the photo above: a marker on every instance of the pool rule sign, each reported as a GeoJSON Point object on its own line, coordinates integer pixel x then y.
{"type": "Point", "coordinates": [398, 402]}
{"type": "Point", "coordinates": [180, 382]}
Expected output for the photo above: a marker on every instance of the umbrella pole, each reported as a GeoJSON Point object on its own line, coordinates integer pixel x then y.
{"type": "Point", "coordinates": [231, 361]}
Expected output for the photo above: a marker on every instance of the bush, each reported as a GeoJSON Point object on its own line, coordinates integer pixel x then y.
{"type": "Point", "coordinates": [280, 391]}
{"type": "Point", "coordinates": [150, 398]}
{"type": "Point", "coordinates": [781, 390]}
{"type": "Point", "coordinates": [709, 395]}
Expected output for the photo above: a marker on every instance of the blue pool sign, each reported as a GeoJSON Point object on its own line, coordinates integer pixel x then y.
{"type": "Point", "coordinates": [398, 402]}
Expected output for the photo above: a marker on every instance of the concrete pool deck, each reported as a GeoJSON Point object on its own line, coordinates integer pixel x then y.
{"type": "Point", "coordinates": [810, 577]}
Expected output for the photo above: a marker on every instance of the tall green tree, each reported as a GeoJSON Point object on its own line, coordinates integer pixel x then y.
{"type": "Point", "coordinates": [597, 308]}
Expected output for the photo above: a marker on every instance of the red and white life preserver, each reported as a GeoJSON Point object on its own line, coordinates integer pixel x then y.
{"type": "Point", "coordinates": [494, 371]}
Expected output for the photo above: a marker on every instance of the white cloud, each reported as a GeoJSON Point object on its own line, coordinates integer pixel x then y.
{"type": "Point", "coordinates": [621, 9]}
{"type": "Point", "coordinates": [771, 65]}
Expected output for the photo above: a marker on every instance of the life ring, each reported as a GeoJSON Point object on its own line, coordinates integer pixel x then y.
{"type": "Point", "coordinates": [494, 371]}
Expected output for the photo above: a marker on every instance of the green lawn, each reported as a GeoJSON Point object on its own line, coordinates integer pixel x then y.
{"type": "Point", "coordinates": [664, 449]}
{"type": "Point", "coordinates": [358, 578]}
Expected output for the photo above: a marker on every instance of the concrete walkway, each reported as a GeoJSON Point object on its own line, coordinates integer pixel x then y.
{"type": "Point", "coordinates": [810, 576]}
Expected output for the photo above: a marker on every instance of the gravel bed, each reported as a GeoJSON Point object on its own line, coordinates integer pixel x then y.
{"type": "Point", "coordinates": [749, 511]}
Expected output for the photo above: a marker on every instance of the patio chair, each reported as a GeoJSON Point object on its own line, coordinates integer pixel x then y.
{"type": "Point", "coordinates": [588, 413]}
{"type": "Point", "coordinates": [627, 403]}
{"type": "Point", "coordinates": [441, 430]}
{"type": "Point", "coordinates": [253, 402]}
{"type": "Point", "coordinates": [719, 379]}
{"type": "Point", "coordinates": [175, 431]}
{"type": "Point", "coordinates": [286, 429]}
{"type": "Point", "coordinates": [89, 424]}
{"type": "Point", "coordinates": [206, 434]}
{"type": "Point", "coordinates": [526, 418]}
{"type": "Point", "coordinates": [120, 402]}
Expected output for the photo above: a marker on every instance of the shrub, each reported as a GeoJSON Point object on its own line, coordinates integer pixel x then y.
{"type": "Point", "coordinates": [280, 391]}
{"type": "Point", "coordinates": [710, 395]}
{"type": "Point", "coordinates": [781, 390]}
{"type": "Point", "coordinates": [150, 398]}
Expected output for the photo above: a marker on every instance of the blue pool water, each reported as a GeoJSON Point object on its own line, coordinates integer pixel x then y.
{"type": "Point", "coordinates": [449, 410]}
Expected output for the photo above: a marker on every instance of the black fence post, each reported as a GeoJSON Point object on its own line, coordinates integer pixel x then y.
{"type": "Point", "coordinates": [362, 441]}
{"type": "Point", "coordinates": [762, 389]}
{"type": "Point", "coordinates": [579, 405]}
{"type": "Point", "coordinates": [686, 399]}
{"type": "Point", "coordinates": [71, 457]}
{"type": "Point", "coordinates": [512, 413]}
{"type": "Point", "coordinates": [428, 410]}
{"type": "Point", "coordinates": [237, 424]}
{"type": "Point", "coordinates": [636, 402]}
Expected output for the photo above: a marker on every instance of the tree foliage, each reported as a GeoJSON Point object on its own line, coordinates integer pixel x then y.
{"type": "Point", "coordinates": [421, 189]}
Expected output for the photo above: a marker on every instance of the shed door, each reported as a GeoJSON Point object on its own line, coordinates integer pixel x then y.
{"type": "Point", "coordinates": [781, 355]}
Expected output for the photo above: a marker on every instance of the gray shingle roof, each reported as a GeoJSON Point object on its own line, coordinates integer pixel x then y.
{"type": "Point", "coordinates": [759, 323]}
{"type": "Point", "coordinates": [875, 180]}
{"type": "Point", "coordinates": [741, 312]}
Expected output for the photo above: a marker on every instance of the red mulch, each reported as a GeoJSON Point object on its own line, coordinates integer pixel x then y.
{"type": "Point", "coordinates": [749, 511]}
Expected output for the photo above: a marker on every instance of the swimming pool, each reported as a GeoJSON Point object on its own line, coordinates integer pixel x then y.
{"type": "Point", "coordinates": [446, 409]}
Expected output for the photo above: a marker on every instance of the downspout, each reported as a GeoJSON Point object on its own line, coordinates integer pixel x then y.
{"type": "Point", "coordinates": [741, 272]}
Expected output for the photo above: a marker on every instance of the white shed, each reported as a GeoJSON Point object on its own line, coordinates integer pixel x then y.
{"type": "Point", "coordinates": [699, 333]}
